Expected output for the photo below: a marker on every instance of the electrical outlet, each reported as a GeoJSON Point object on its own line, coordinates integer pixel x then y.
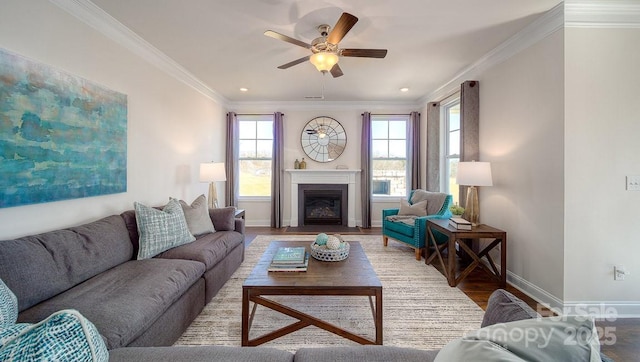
{"type": "Point", "coordinates": [633, 183]}
{"type": "Point", "coordinates": [619, 272]}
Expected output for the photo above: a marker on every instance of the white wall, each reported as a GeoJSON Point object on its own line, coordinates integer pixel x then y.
{"type": "Point", "coordinates": [171, 127]}
{"type": "Point", "coordinates": [258, 212]}
{"type": "Point", "coordinates": [521, 134]}
{"type": "Point", "coordinates": [602, 147]}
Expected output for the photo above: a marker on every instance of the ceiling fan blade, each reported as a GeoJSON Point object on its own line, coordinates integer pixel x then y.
{"type": "Point", "coordinates": [342, 27]}
{"type": "Point", "coordinates": [295, 62]}
{"type": "Point", "coordinates": [336, 71]}
{"type": "Point", "coordinates": [288, 39]}
{"type": "Point", "coordinates": [364, 53]}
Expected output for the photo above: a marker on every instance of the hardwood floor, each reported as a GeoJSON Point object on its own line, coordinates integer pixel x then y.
{"type": "Point", "coordinates": [622, 344]}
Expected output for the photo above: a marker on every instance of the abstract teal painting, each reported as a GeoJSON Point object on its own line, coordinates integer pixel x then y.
{"type": "Point", "coordinates": [61, 136]}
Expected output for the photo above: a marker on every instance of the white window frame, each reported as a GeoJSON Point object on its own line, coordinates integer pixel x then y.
{"type": "Point", "coordinates": [391, 198]}
{"type": "Point", "coordinates": [253, 118]}
{"type": "Point", "coordinates": [445, 106]}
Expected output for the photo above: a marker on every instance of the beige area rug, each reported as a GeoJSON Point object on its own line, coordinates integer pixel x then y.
{"type": "Point", "coordinates": [420, 309]}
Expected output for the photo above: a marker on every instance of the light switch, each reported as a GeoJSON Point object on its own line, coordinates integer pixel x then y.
{"type": "Point", "coordinates": [633, 183]}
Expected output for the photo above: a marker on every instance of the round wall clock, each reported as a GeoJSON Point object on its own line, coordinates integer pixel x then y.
{"type": "Point", "coordinates": [323, 139]}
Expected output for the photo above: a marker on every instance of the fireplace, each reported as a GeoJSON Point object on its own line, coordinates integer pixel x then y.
{"type": "Point", "coordinates": [326, 177]}
{"type": "Point", "coordinates": [322, 204]}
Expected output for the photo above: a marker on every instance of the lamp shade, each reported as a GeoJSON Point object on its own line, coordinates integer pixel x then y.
{"type": "Point", "coordinates": [474, 174]}
{"type": "Point", "coordinates": [212, 171]}
{"type": "Point", "coordinates": [324, 61]}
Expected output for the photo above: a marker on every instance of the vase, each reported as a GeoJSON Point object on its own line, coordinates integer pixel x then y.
{"type": "Point", "coordinates": [296, 165]}
{"type": "Point", "coordinates": [303, 164]}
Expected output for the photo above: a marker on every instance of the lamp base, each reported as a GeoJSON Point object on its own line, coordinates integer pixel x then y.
{"type": "Point", "coordinates": [472, 208]}
{"type": "Point", "coordinates": [213, 196]}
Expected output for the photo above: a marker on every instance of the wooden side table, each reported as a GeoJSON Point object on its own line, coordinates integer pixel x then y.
{"type": "Point", "coordinates": [458, 236]}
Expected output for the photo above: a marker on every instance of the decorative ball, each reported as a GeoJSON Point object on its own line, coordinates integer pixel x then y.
{"type": "Point", "coordinates": [333, 243]}
{"type": "Point", "coordinates": [322, 238]}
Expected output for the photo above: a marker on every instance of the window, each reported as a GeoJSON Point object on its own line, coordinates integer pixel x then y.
{"type": "Point", "coordinates": [255, 147]}
{"type": "Point", "coordinates": [452, 147]}
{"type": "Point", "coordinates": [389, 155]}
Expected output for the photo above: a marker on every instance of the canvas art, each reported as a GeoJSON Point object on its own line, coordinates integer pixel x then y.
{"type": "Point", "coordinates": [61, 136]}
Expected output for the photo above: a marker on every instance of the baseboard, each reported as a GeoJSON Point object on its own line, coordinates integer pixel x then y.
{"type": "Point", "coordinates": [609, 310]}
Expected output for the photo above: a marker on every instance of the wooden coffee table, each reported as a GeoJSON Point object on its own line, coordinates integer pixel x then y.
{"type": "Point", "coordinates": [353, 276]}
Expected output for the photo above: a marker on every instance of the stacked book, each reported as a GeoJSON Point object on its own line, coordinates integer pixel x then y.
{"type": "Point", "coordinates": [288, 259]}
{"type": "Point", "coordinates": [460, 223]}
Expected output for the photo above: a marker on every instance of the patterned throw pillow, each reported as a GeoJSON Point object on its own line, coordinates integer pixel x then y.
{"type": "Point", "coordinates": [197, 215]}
{"type": "Point", "coordinates": [64, 336]}
{"type": "Point", "coordinates": [161, 230]}
{"type": "Point", "coordinates": [8, 306]}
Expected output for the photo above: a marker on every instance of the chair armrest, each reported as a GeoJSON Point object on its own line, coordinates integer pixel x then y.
{"type": "Point", "coordinates": [389, 212]}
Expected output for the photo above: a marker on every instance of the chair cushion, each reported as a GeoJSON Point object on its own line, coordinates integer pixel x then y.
{"type": "Point", "coordinates": [161, 230]}
{"type": "Point", "coordinates": [400, 228]}
{"type": "Point", "coordinates": [124, 301]}
{"type": "Point", "coordinates": [63, 336]}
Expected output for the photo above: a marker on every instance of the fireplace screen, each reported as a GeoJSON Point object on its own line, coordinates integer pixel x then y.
{"type": "Point", "coordinates": [322, 204]}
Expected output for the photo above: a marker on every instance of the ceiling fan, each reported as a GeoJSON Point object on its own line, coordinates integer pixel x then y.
{"type": "Point", "coordinates": [325, 51]}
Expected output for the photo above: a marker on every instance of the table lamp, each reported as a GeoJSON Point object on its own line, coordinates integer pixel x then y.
{"type": "Point", "coordinates": [212, 172]}
{"type": "Point", "coordinates": [473, 174]}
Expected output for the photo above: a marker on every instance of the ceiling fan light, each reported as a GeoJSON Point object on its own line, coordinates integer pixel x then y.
{"type": "Point", "coordinates": [324, 61]}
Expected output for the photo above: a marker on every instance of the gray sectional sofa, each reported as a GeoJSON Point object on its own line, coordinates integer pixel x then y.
{"type": "Point", "coordinates": [93, 268]}
{"type": "Point", "coordinates": [141, 307]}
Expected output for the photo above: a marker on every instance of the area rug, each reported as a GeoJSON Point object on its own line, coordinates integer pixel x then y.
{"type": "Point", "coordinates": [420, 309]}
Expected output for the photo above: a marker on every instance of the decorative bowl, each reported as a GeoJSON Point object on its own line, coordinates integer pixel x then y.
{"type": "Point", "coordinates": [322, 253]}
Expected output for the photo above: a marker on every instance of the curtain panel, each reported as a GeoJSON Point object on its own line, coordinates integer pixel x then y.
{"type": "Point", "coordinates": [365, 175]}
{"type": "Point", "coordinates": [231, 161]}
{"type": "Point", "coordinates": [413, 151]}
{"type": "Point", "coordinates": [277, 171]}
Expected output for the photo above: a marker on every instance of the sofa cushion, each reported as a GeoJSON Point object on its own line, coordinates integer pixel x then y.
{"type": "Point", "coordinates": [364, 353]}
{"type": "Point", "coordinates": [401, 228]}
{"type": "Point", "coordinates": [208, 249]}
{"type": "Point", "coordinates": [161, 230]}
{"type": "Point", "coordinates": [568, 338]}
{"type": "Point", "coordinates": [124, 301]}
{"type": "Point", "coordinates": [8, 306]}
{"type": "Point", "coordinates": [197, 216]}
{"type": "Point", "coordinates": [200, 354]}
{"type": "Point", "coordinates": [505, 307]}
{"type": "Point", "coordinates": [63, 336]}
{"type": "Point", "coordinates": [41, 266]}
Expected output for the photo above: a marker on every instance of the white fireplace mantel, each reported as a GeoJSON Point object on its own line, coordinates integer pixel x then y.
{"type": "Point", "coordinates": [328, 176]}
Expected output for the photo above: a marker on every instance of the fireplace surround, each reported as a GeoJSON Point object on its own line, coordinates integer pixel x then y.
{"type": "Point", "coordinates": [323, 177]}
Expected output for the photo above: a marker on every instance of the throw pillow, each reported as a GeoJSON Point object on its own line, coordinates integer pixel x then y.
{"type": "Point", "coordinates": [63, 336]}
{"type": "Point", "coordinates": [435, 199]}
{"type": "Point", "coordinates": [505, 307]}
{"type": "Point", "coordinates": [567, 338]}
{"type": "Point", "coordinates": [8, 306]}
{"type": "Point", "coordinates": [197, 215]}
{"type": "Point", "coordinates": [161, 230]}
{"type": "Point", "coordinates": [417, 209]}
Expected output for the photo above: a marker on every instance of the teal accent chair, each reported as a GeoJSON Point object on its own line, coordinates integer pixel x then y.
{"type": "Point", "coordinates": [413, 235]}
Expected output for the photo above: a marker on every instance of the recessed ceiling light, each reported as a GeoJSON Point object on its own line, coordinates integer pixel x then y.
{"type": "Point", "coordinates": [404, 89]}
{"type": "Point", "coordinates": [243, 89]}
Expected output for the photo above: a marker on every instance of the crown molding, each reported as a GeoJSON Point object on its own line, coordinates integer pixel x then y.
{"type": "Point", "coordinates": [545, 25]}
{"type": "Point", "coordinates": [602, 14]}
{"type": "Point", "coordinates": [95, 17]}
{"type": "Point", "coordinates": [323, 105]}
